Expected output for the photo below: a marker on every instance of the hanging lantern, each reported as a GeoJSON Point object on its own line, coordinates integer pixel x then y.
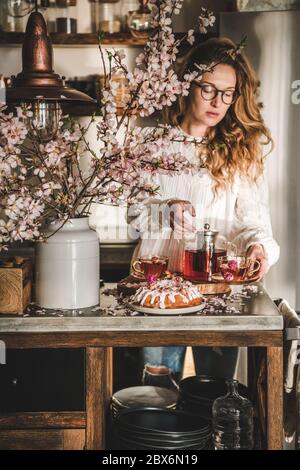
{"type": "Point", "coordinates": [38, 84]}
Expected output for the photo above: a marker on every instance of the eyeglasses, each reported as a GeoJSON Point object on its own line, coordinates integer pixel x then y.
{"type": "Point", "coordinates": [209, 92]}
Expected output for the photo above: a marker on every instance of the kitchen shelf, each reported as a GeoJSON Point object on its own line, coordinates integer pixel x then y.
{"type": "Point", "coordinates": [80, 39]}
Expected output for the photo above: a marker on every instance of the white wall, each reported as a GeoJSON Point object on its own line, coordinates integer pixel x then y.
{"type": "Point", "coordinates": [273, 40]}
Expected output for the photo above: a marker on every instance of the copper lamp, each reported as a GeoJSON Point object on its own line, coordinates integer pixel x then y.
{"type": "Point", "coordinates": [40, 86]}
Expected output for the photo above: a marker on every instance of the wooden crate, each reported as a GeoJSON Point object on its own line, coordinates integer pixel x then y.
{"type": "Point", "coordinates": [15, 285]}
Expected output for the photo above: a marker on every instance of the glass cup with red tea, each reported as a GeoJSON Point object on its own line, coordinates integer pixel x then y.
{"type": "Point", "coordinates": [237, 268]}
{"type": "Point", "coordinates": [150, 266]}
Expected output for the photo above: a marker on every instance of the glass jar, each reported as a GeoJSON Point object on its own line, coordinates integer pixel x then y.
{"type": "Point", "coordinates": [105, 16]}
{"type": "Point", "coordinates": [233, 420]}
{"type": "Point", "coordinates": [126, 8]}
{"type": "Point", "coordinates": [94, 15]}
{"type": "Point", "coordinates": [140, 21]}
{"type": "Point", "coordinates": [66, 20]}
{"type": "Point", "coordinates": [109, 18]}
{"type": "Point", "coordinates": [15, 14]}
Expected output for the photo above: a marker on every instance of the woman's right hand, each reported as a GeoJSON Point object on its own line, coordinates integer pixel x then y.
{"type": "Point", "coordinates": [181, 215]}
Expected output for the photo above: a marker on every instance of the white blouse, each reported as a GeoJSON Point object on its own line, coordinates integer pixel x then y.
{"type": "Point", "coordinates": [240, 213]}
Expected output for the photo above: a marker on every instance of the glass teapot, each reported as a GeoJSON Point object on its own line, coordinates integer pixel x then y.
{"type": "Point", "coordinates": [201, 254]}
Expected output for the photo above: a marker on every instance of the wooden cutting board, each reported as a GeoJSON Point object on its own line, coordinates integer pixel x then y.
{"type": "Point", "coordinates": [214, 288]}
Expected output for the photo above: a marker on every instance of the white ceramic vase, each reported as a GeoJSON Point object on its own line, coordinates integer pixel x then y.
{"type": "Point", "coordinates": [67, 266]}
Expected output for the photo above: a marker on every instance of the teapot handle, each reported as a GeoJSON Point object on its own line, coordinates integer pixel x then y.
{"type": "Point", "coordinates": [229, 247]}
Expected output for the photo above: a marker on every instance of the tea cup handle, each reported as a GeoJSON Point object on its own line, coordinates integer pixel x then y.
{"type": "Point", "coordinates": [255, 269]}
{"type": "Point", "coordinates": [136, 266]}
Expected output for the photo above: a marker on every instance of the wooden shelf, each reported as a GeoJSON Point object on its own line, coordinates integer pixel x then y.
{"type": "Point", "coordinates": [76, 39]}
{"type": "Point", "coordinates": [122, 39]}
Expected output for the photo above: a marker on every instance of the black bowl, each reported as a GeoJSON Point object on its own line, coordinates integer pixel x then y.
{"type": "Point", "coordinates": [205, 388]}
{"type": "Point", "coordinates": [129, 443]}
{"type": "Point", "coordinates": [162, 422]}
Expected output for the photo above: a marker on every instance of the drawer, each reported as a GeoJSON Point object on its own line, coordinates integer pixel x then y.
{"type": "Point", "coordinates": [43, 380]}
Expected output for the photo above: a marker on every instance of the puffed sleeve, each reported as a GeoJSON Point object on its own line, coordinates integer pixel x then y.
{"type": "Point", "coordinates": [144, 216]}
{"type": "Point", "coordinates": [151, 216]}
{"type": "Point", "coordinates": [252, 218]}
{"type": "Point", "coordinates": [141, 217]}
{"type": "Point", "coordinates": [148, 216]}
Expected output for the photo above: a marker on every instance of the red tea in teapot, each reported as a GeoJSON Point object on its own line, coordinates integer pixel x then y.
{"type": "Point", "coordinates": [196, 266]}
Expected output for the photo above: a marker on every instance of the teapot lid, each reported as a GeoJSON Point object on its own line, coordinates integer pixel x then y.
{"type": "Point", "coordinates": [208, 234]}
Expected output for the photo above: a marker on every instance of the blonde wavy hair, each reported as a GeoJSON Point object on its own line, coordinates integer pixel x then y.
{"type": "Point", "coordinates": [235, 144]}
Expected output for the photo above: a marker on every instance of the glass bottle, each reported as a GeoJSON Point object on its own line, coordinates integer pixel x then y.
{"type": "Point", "coordinates": [233, 420]}
{"type": "Point", "coordinates": [140, 21]}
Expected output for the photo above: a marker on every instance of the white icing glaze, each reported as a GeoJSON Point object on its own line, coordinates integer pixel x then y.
{"type": "Point", "coordinates": [170, 288]}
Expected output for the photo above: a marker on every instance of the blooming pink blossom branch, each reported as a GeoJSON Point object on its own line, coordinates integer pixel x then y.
{"type": "Point", "coordinates": [42, 181]}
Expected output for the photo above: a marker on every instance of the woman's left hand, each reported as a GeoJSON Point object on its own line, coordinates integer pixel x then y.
{"type": "Point", "coordinates": [257, 252]}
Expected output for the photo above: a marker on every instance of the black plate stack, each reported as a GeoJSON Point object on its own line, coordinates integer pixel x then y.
{"type": "Point", "coordinates": [143, 396]}
{"type": "Point", "coordinates": [161, 429]}
{"type": "Point", "coordinates": [197, 394]}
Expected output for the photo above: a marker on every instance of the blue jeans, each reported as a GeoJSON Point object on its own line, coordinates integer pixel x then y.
{"type": "Point", "coordinates": [217, 362]}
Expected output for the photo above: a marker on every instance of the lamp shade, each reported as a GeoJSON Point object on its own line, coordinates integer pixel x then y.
{"type": "Point", "coordinates": [38, 81]}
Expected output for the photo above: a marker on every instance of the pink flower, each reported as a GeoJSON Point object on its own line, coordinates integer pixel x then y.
{"type": "Point", "coordinates": [206, 20]}
{"type": "Point", "coordinates": [232, 265]}
{"type": "Point", "coordinates": [14, 131]}
{"type": "Point", "coordinates": [178, 280]}
{"type": "Point", "coordinates": [228, 276]}
{"type": "Point", "coordinates": [151, 278]}
{"type": "Point", "coordinates": [190, 37]}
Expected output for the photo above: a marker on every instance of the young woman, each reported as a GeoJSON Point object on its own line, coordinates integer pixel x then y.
{"type": "Point", "coordinates": [229, 191]}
